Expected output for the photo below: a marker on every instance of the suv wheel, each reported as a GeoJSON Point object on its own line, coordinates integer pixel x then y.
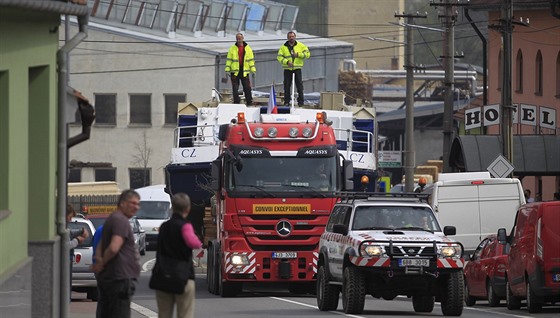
{"type": "Point", "coordinates": [511, 301]}
{"type": "Point", "coordinates": [452, 298]}
{"type": "Point", "coordinates": [353, 290]}
{"type": "Point", "coordinates": [469, 300]}
{"type": "Point", "coordinates": [493, 299]}
{"type": "Point", "coordinates": [534, 304]}
{"type": "Point", "coordinates": [423, 303]}
{"type": "Point", "coordinates": [327, 295]}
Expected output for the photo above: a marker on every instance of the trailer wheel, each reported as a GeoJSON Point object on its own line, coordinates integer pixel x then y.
{"type": "Point", "coordinates": [452, 298]}
{"type": "Point", "coordinates": [353, 290]}
{"type": "Point", "coordinates": [327, 295]}
{"type": "Point", "coordinates": [423, 303]}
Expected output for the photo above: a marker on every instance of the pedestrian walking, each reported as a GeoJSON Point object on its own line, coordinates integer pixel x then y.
{"type": "Point", "coordinates": [291, 55]}
{"type": "Point", "coordinates": [240, 63]}
{"type": "Point", "coordinates": [176, 240]}
{"type": "Point", "coordinates": [117, 259]}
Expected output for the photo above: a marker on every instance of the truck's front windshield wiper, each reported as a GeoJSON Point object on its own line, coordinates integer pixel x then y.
{"type": "Point", "coordinates": [314, 190]}
{"type": "Point", "coordinates": [413, 228]}
{"type": "Point", "coordinates": [256, 187]}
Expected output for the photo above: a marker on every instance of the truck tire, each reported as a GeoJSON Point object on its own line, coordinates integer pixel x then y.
{"type": "Point", "coordinates": [493, 299]}
{"type": "Point", "coordinates": [469, 300]}
{"type": "Point", "coordinates": [423, 303]}
{"type": "Point", "coordinates": [353, 290]}
{"type": "Point", "coordinates": [327, 295]}
{"type": "Point", "coordinates": [452, 298]}
{"type": "Point", "coordinates": [534, 304]}
{"type": "Point", "coordinates": [512, 302]}
{"type": "Point", "coordinates": [210, 271]}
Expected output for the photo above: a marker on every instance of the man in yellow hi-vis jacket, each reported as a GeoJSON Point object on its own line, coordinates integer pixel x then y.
{"type": "Point", "coordinates": [291, 55]}
{"type": "Point", "coordinates": [239, 63]}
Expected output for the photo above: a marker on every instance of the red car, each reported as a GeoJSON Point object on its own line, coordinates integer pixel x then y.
{"type": "Point", "coordinates": [485, 272]}
{"type": "Point", "coordinates": [533, 267]}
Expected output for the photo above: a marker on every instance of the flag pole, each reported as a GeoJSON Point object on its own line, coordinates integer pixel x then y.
{"type": "Point", "coordinates": [293, 89]}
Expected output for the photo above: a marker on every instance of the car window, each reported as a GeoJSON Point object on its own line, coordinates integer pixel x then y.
{"type": "Point", "coordinates": [335, 215]}
{"type": "Point", "coordinates": [479, 249]}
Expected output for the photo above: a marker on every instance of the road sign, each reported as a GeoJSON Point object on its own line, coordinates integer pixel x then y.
{"type": "Point", "coordinates": [389, 159]}
{"type": "Point", "coordinates": [500, 167]}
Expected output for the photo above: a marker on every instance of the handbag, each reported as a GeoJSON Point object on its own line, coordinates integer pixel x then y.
{"type": "Point", "coordinates": [169, 274]}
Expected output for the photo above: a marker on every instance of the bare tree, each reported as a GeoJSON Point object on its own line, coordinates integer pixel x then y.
{"type": "Point", "coordinates": [141, 157]}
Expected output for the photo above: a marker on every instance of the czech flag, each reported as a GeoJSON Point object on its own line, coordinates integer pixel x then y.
{"type": "Point", "coordinates": [272, 107]}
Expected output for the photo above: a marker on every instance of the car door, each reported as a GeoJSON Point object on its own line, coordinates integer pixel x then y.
{"type": "Point", "coordinates": [473, 271]}
{"type": "Point", "coordinates": [331, 241]}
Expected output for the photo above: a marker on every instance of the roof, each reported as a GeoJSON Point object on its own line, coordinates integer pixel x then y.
{"type": "Point", "coordinates": [537, 155]}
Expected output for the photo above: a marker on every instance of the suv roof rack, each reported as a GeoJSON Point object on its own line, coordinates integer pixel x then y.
{"type": "Point", "coordinates": [350, 197]}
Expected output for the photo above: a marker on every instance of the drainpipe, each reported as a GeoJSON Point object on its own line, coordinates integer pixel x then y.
{"type": "Point", "coordinates": [62, 61]}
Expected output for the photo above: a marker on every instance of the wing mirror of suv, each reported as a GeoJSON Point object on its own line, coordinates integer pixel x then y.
{"type": "Point", "coordinates": [502, 236]}
{"type": "Point", "coordinates": [340, 229]}
{"type": "Point", "coordinates": [449, 230]}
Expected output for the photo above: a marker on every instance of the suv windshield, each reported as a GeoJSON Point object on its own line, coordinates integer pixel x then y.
{"type": "Point", "coordinates": [283, 174]}
{"type": "Point", "coordinates": [153, 210]}
{"type": "Point", "coordinates": [394, 217]}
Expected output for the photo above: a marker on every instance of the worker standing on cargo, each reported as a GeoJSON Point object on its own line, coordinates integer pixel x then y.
{"type": "Point", "coordinates": [240, 63]}
{"type": "Point", "coordinates": [291, 55]}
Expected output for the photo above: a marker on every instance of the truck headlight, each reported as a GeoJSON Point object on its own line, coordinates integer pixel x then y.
{"type": "Point", "coordinates": [371, 250]}
{"type": "Point", "coordinates": [450, 251]}
{"type": "Point", "coordinates": [239, 259]}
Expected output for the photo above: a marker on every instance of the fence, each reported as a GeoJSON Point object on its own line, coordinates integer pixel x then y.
{"type": "Point", "coordinates": [94, 204]}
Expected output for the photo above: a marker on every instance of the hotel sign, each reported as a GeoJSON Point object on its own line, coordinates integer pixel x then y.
{"type": "Point", "coordinates": [544, 117]}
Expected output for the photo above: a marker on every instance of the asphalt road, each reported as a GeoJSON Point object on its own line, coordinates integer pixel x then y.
{"type": "Point", "coordinates": [276, 302]}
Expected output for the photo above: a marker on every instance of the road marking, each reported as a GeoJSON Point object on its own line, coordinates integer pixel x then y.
{"type": "Point", "coordinates": [496, 312]}
{"type": "Point", "coordinates": [143, 310]}
{"type": "Point", "coordinates": [315, 307]}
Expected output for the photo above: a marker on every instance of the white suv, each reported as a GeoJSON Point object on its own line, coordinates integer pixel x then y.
{"type": "Point", "coordinates": [387, 245]}
{"type": "Point", "coordinates": [83, 278]}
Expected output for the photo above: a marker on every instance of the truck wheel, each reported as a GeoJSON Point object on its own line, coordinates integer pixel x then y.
{"type": "Point", "coordinates": [512, 302]}
{"type": "Point", "coordinates": [423, 303]}
{"type": "Point", "coordinates": [469, 300]}
{"type": "Point", "coordinates": [327, 295]}
{"type": "Point", "coordinates": [534, 304]}
{"type": "Point", "coordinates": [493, 299]}
{"type": "Point", "coordinates": [452, 298]}
{"type": "Point", "coordinates": [353, 290]}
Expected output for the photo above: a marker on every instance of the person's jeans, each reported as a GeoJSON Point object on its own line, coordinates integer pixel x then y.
{"type": "Point", "coordinates": [116, 296]}
{"type": "Point", "coordinates": [288, 86]}
{"type": "Point", "coordinates": [246, 82]}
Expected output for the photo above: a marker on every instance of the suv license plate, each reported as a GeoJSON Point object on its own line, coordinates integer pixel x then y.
{"type": "Point", "coordinates": [284, 255]}
{"type": "Point", "coordinates": [417, 262]}
{"type": "Point", "coordinates": [556, 278]}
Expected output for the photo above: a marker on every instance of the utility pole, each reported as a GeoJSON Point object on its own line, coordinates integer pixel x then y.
{"type": "Point", "coordinates": [507, 107]}
{"type": "Point", "coordinates": [449, 18]}
{"type": "Point", "coordinates": [409, 127]}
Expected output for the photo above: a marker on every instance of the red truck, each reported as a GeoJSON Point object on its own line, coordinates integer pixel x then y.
{"type": "Point", "coordinates": [274, 181]}
{"type": "Point", "coordinates": [533, 267]}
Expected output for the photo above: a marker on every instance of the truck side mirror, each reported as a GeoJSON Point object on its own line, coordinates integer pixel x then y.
{"type": "Point", "coordinates": [216, 175]}
{"type": "Point", "coordinates": [348, 167]}
{"type": "Point", "coordinates": [340, 229]}
{"type": "Point", "coordinates": [502, 236]}
{"type": "Point", "coordinates": [449, 230]}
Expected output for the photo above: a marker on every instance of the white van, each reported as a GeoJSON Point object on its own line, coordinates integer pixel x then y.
{"type": "Point", "coordinates": [475, 203]}
{"type": "Point", "coordinates": [155, 208]}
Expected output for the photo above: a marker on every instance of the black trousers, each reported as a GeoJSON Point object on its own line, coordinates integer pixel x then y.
{"type": "Point", "coordinates": [246, 82]}
{"type": "Point", "coordinates": [288, 86]}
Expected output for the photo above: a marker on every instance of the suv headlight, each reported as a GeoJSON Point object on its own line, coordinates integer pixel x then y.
{"type": "Point", "coordinates": [372, 250]}
{"type": "Point", "coordinates": [453, 250]}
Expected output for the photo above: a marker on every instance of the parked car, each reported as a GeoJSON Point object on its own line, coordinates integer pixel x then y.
{"type": "Point", "coordinates": [83, 278]}
{"type": "Point", "coordinates": [533, 266]}
{"type": "Point", "coordinates": [485, 272]}
{"type": "Point", "coordinates": [139, 235]}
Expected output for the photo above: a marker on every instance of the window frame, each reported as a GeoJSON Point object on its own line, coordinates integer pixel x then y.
{"type": "Point", "coordinates": [98, 106]}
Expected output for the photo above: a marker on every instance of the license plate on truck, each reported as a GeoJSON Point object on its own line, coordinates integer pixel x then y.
{"type": "Point", "coordinates": [284, 255]}
{"type": "Point", "coordinates": [415, 262]}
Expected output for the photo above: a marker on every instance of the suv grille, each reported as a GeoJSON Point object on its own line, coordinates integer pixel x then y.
{"type": "Point", "coordinates": [403, 250]}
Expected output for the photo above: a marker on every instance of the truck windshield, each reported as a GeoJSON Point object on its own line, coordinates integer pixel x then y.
{"type": "Point", "coordinates": [153, 210]}
{"type": "Point", "coordinates": [282, 174]}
